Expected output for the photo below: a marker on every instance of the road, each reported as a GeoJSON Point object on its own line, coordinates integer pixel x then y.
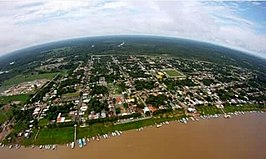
{"type": "Point", "coordinates": [44, 87]}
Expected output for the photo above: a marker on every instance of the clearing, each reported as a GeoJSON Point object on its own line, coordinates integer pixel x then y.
{"type": "Point", "coordinates": [172, 73]}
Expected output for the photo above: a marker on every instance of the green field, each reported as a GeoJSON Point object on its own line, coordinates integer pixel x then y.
{"type": "Point", "coordinates": [43, 122]}
{"type": "Point", "coordinates": [21, 97]}
{"type": "Point", "coordinates": [173, 73]}
{"type": "Point", "coordinates": [70, 95]}
{"type": "Point", "coordinates": [114, 89]}
{"type": "Point", "coordinates": [25, 78]}
{"type": "Point", "coordinates": [52, 136]}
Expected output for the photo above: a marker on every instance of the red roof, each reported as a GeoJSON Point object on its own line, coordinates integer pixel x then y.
{"type": "Point", "coordinates": [152, 108]}
{"type": "Point", "coordinates": [118, 99]}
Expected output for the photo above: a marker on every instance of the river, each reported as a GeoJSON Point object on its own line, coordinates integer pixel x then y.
{"type": "Point", "coordinates": [239, 137]}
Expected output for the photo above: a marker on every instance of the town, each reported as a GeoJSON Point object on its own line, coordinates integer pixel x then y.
{"type": "Point", "coordinates": [125, 89]}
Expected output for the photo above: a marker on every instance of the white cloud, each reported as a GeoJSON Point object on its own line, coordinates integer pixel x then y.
{"type": "Point", "coordinates": [24, 24]}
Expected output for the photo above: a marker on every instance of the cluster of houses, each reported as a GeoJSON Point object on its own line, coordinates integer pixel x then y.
{"type": "Point", "coordinates": [24, 88]}
{"type": "Point", "coordinates": [129, 100]}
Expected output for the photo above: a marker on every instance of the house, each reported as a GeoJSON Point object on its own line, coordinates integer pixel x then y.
{"type": "Point", "coordinates": [118, 100]}
{"type": "Point", "coordinates": [152, 108]}
{"type": "Point", "coordinates": [146, 109]}
{"type": "Point", "coordinates": [191, 110]}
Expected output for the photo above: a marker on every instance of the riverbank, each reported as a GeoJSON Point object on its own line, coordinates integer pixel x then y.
{"type": "Point", "coordinates": [52, 134]}
{"type": "Point", "coordinates": [241, 136]}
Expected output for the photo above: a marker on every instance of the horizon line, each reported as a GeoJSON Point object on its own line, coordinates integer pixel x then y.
{"type": "Point", "coordinates": [147, 35]}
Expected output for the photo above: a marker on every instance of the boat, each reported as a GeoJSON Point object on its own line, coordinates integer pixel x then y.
{"type": "Point", "coordinates": [17, 146]}
{"type": "Point", "coordinates": [184, 120]}
{"type": "Point", "coordinates": [72, 145]}
{"type": "Point", "coordinates": [80, 143]}
{"type": "Point", "coordinates": [84, 141]}
{"type": "Point", "coordinates": [158, 125]}
{"type": "Point", "coordinates": [227, 116]}
{"type": "Point", "coordinates": [120, 134]}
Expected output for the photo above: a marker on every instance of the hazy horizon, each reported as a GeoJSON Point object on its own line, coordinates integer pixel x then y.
{"type": "Point", "coordinates": [40, 45]}
{"type": "Point", "coordinates": [236, 25]}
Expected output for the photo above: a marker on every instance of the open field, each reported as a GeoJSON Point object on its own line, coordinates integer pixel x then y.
{"type": "Point", "coordinates": [25, 78]}
{"type": "Point", "coordinates": [70, 95]}
{"type": "Point", "coordinates": [173, 73]}
{"type": "Point", "coordinates": [114, 89]}
{"type": "Point", "coordinates": [43, 122]}
{"type": "Point", "coordinates": [51, 135]}
{"type": "Point", "coordinates": [6, 99]}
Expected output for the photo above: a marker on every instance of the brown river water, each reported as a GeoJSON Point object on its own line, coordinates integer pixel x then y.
{"type": "Point", "coordinates": [240, 137]}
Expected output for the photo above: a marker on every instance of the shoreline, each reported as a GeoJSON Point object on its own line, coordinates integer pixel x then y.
{"type": "Point", "coordinates": [240, 137]}
{"type": "Point", "coordinates": [98, 138]}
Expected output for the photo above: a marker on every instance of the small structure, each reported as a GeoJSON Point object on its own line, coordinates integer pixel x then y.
{"type": "Point", "coordinates": [191, 110]}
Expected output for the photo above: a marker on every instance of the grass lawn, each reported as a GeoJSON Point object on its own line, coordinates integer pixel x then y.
{"type": "Point", "coordinates": [21, 97]}
{"type": "Point", "coordinates": [64, 72]}
{"type": "Point", "coordinates": [25, 78]}
{"type": "Point", "coordinates": [114, 89]}
{"type": "Point", "coordinates": [69, 95]}
{"type": "Point", "coordinates": [173, 73]}
{"type": "Point", "coordinates": [43, 122]}
{"type": "Point", "coordinates": [52, 136]}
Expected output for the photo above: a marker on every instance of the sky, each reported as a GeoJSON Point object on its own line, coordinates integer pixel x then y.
{"type": "Point", "coordinates": [239, 24]}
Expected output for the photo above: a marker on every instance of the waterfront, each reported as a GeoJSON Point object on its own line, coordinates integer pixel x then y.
{"type": "Point", "coordinates": [239, 137]}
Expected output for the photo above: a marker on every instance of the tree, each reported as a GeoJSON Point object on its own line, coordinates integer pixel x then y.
{"type": "Point", "coordinates": [114, 100]}
{"type": "Point", "coordinates": [117, 110]}
{"type": "Point", "coordinates": [125, 105]}
{"type": "Point", "coordinates": [140, 106]}
{"type": "Point", "coordinates": [156, 100]}
{"type": "Point", "coordinates": [148, 113]}
{"type": "Point", "coordinates": [98, 106]}
{"type": "Point", "coordinates": [99, 90]}
{"type": "Point", "coordinates": [140, 85]}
